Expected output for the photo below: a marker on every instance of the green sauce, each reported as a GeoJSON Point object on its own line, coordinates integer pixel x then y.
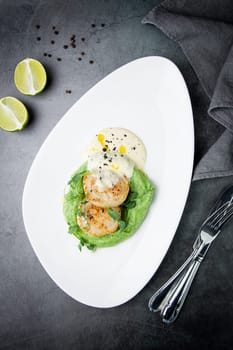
{"type": "Point", "coordinates": [141, 192]}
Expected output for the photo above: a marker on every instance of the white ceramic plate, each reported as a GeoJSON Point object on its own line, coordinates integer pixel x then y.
{"type": "Point", "coordinates": [149, 97]}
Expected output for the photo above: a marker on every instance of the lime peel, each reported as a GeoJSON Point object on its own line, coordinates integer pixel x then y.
{"type": "Point", "coordinates": [13, 114]}
{"type": "Point", "coordinates": [30, 77]}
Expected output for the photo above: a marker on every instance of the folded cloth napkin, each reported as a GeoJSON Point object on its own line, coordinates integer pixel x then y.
{"type": "Point", "coordinates": [204, 31]}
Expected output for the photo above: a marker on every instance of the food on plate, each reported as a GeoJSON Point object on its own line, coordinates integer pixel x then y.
{"type": "Point", "coordinates": [105, 188]}
{"type": "Point", "coordinates": [96, 221]}
{"type": "Point", "coordinates": [109, 196]}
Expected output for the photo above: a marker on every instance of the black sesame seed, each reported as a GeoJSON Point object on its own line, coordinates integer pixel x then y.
{"type": "Point", "coordinates": [83, 39]}
{"type": "Point", "coordinates": [59, 59]}
{"type": "Point", "coordinates": [100, 167]}
{"type": "Point", "coordinates": [91, 62]}
{"type": "Point", "coordinates": [102, 25]}
{"type": "Point", "coordinates": [38, 38]}
{"type": "Point", "coordinates": [82, 53]}
{"type": "Point", "coordinates": [65, 46]}
{"type": "Point", "coordinates": [114, 148]}
{"type": "Point", "coordinates": [45, 54]}
{"type": "Point", "coordinates": [134, 148]}
{"type": "Point", "coordinates": [80, 59]}
{"type": "Point", "coordinates": [73, 45]}
{"type": "Point", "coordinates": [52, 42]}
{"type": "Point", "coordinates": [110, 160]}
{"type": "Point", "coordinates": [54, 27]}
{"type": "Point", "coordinates": [49, 55]}
{"type": "Point", "coordinates": [38, 26]}
{"type": "Point", "coordinates": [105, 156]}
{"type": "Point", "coordinates": [93, 25]}
{"type": "Point", "coordinates": [56, 32]}
{"type": "Point", "coordinates": [104, 149]}
{"type": "Point", "coordinates": [125, 135]}
{"type": "Point", "coordinates": [105, 164]}
{"type": "Point", "coordinates": [100, 178]}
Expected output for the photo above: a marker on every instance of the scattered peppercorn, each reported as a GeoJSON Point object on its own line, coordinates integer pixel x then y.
{"type": "Point", "coordinates": [59, 58]}
{"type": "Point", "coordinates": [38, 26]}
{"type": "Point", "coordinates": [56, 32]}
{"type": "Point", "coordinates": [52, 42]}
{"type": "Point", "coordinates": [93, 25]}
{"type": "Point", "coordinates": [82, 53]}
{"type": "Point", "coordinates": [73, 45]}
{"type": "Point", "coordinates": [38, 38]}
{"type": "Point", "coordinates": [65, 46]}
{"type": "Point", "coordinates": [54, 27]}
{"type": "Point", "coordinates": [80, 59]}
{"type": "Point", "coordinates": [91, 62]}
{"type": "Point", "coordinates": [83, 39]}
{"type": "Point", "coordinates": [49, 55]}
{"type": "Point", "coordinates": [102, 25]}
{"type": "Point", "coordinates": [68, 91]}
{"type": "Point", "coordinates": [45, 54]}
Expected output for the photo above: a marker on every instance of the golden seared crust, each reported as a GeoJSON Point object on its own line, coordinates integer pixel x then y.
{"type": "Point", "coordinates": [108, 197]}
{"type": "Point", "coordinates": [96, 221]}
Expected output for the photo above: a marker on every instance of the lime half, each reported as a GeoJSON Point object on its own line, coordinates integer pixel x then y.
{"type": "Point", "coordinates": [30, 77]}
{"type": "Point", "coordinates": [13, 114]}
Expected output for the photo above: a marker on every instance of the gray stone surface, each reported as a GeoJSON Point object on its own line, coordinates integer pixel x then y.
{"type": "Point", "coordinates": [34, 312]}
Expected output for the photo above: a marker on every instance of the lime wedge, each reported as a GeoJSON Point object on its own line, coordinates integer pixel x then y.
{"type": "Point", "coordinates": [13, 114]}
{"type": "Point", "coordinates": [30, 77]}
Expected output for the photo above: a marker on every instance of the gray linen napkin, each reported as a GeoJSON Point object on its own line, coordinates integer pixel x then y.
{"type": "Point", "coordinates": [204, 31]}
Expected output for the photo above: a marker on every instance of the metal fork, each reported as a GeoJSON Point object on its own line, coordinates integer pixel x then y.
{"type": "Point", "coordinates": [170, 298]}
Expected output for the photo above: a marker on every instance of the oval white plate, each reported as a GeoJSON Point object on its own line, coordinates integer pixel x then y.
{"type": "Point", "coordinates": [149, 97]}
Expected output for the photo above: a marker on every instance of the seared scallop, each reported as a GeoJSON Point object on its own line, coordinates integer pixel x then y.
{"type": "Point", "coordinates": [105, 188]}
{"type": "Point", "coordinates": [96, 221]}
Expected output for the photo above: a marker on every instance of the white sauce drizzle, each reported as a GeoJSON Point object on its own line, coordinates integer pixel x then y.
{"type": "Point", "coordinates": [112, 154]}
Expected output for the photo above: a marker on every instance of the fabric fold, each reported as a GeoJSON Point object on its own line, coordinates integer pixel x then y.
{"type": "Point", "coordinates": [206, 37]}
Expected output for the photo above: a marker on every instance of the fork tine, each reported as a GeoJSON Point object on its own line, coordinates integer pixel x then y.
{"type": "Point", "coordinates": [222, 212]}
{"type": "Point", "coordinates": [224, 218]}
{"type": "Point", "coordinates": [217, 213]}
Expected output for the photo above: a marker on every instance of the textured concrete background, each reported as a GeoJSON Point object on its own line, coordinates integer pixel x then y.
{"type": "Point", "coordinates": [34, 312]}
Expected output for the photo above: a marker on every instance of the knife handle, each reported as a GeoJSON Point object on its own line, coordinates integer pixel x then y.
{"type": "Point", "coordinates": [179, 292]}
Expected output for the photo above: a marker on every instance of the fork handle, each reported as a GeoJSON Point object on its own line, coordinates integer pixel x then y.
{"type": "Point", "coordinates": [179, 292]}
{"type": "Point", "coordinates": [159, 298]}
